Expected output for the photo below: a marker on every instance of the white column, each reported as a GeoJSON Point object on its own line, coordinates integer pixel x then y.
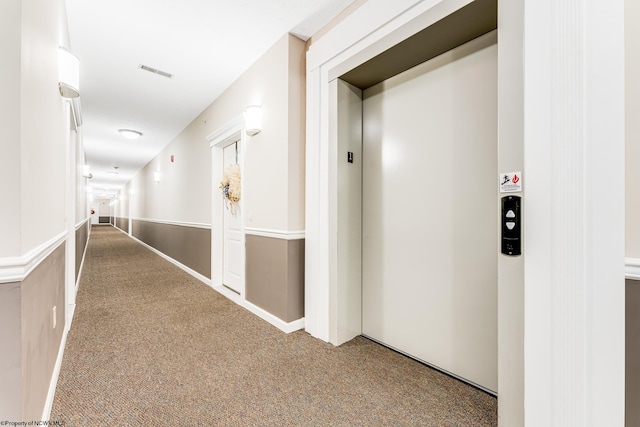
{"type": "Point", "coordinates": [574, 207]}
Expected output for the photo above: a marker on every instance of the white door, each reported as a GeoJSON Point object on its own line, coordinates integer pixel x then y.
{"type": "Point", "coordinates": [429, 267]}
{"type": "Point", "coordinates": [95, 212]}
{"type": "Point", "coordinates": [233, 252]}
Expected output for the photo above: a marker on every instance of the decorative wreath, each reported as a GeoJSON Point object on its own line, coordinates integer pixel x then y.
{"type": "Point", "coordinates": [230, 186]}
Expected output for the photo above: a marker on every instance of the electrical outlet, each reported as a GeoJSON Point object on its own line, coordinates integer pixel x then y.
{"type": "Point", "coordinates": [54, 317]}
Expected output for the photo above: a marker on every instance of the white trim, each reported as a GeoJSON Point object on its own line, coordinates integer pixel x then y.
{"type": "Point", "coordinates": [368, 31]}
{"type": "Point", "coordinates": [46, 414]}
{"type": "Point", "coordinates": [16, 269]}
{"type": "Point", "coordinates": [180, 223]}
{"type": "Point", "coordinates": [81, 223]}
{"type": "Point", "coordinates": [70, 212]}
{"type": "Point", "coordinates": [171, 260]}
{"type": "Point", "coordinates": [231, 132]}
{"type": "Point", "coordinates": [632, 268]}
{"type": "Point", "coordinates": [77, 284]}
{"type": "Point", "coordinates": [275, 321]}
{"type": "Point", "coordinates": [84, 254]}
{"type": "Point", "coordinates": [574, 305]}
{"type": "Point", "coordinates": [363, 34]}
{"type": "Point", "coordinates": [261, 313]}
{"type": "Point", "coordinates": [227, 131]}
{"type": "Point", "coordinates": [276, 234]}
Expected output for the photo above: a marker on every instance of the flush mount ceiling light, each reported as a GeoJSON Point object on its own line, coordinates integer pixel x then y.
{"type": "Point", "coordinates": [130, 133]}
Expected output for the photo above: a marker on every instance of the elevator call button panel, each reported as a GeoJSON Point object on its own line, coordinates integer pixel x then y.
{"type": "Point", "coordinates": [511, 230]}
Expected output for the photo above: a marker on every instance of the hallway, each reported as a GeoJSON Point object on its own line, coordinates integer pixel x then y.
{"type": "Point", "coordinates": [151, 345]}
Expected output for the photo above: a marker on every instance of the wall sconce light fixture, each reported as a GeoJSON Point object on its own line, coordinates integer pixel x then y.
{"type": "Point", "coordinates": [86, 171]}
{"type": "Point", "coordinates": [253, 119]}
{"type": "Point", "coordinates": [68, 74]}
{"type": "Point", "coordinates": [156, 176]}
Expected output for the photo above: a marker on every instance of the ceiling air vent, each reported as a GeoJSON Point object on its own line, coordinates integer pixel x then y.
{"type": "Point", "coordinates": [156, 71]}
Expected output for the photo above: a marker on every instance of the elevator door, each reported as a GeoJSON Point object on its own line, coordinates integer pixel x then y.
{"type": "Point", "coordinates": [430, 219]}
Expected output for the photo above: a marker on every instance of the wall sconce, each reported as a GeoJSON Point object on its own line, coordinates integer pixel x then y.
{"type": "Point", "coordinates": [68, 74]}
{"type": "Point", "coordinates": [253, 119]}
{"type": "Point", "coordinates": [156, 176]}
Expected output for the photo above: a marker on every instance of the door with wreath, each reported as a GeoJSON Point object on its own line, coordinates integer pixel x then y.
{"type": "Point", "coordinates": [232, 218]}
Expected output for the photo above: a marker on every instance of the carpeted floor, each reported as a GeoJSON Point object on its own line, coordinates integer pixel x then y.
{"type": "Point", "coordinates": [152, 346]}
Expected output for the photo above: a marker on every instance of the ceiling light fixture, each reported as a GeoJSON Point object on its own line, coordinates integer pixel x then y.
{"type": "Point", "coordinates": [130, 133]}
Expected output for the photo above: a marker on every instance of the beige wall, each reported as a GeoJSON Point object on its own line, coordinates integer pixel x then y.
{"type": "Point", "coordinates": [274, 159]}
{"type": "Point", "coordinates": [33, 172]}
{"type": "Point", "coordinates": [41, 291]}
{"type": "Point", "coordinates": [10, 31]}
{"type": "Point", "coordinates": [275, 276]}
{"type": "Point", "coordinates": [511, 158]}
{"type": "Point", "coordinates": [10, 359]}
{"type": "Point", "coordinates": [296, 138]}
{"type": "Point", "coordinates": [122, 206]}
{"type": "Point", "coordinates": [632, 48]}
{"type": "Point", "coordinates": [190, 246]}
{"type": "Point", "coordinates": [632, 353]}
{"type": "Point", "coordinates": [42, 126]}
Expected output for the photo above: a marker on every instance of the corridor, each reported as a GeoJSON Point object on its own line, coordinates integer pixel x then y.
{"type": "Point", "coordinates": [151, 345]}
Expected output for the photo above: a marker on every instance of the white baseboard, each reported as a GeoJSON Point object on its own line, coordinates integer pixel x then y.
{"type": "Point", "coordinates": [265, 315]}
{"type": "Point", "coordinates": [70, 310]}
{"type": "Point", "coordinates": [172, 261]}
{"type": "Point", "coordinates": [275, 321]}
{"type": "Point", "coordinates": [261, 313]}
{"type": "Point", "coordinates": [180, 223]}
{"type": "Point", "coordinates": [46, 414]}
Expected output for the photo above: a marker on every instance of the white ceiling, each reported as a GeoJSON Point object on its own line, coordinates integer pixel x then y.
{"type": "Point", "coordinates": [205, 44]}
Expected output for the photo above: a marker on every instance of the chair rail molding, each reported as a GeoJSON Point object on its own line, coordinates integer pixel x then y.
{"type": "Point", "coordinates": [16, 269]}
{"type": "Point", "coordinates": [632, 268]}
{"type": "Point", "coordinates": [276, 234]}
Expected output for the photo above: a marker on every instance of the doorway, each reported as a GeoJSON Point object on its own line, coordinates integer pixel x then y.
{"type": "Point", "coordinates": [227, 227]}
{"type": "Point", "coordinates": [232, 277]}
{"type": "Point", "coordinates": [429, 212]}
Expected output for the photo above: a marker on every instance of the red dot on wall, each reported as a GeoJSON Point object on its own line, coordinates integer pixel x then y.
{"type": "Point", "coordinates": [172, 158]}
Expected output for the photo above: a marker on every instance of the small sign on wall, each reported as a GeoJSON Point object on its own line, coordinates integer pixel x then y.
{"type": "Point", "coordinates": [511, 182]}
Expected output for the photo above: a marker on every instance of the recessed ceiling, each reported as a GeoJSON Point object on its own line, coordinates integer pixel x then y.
{"type": "Point", "coordinates": [128, 49]}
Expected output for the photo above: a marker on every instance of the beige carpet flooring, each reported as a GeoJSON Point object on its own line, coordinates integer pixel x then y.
{"type": "Point", "coordinates": [152, 346]}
